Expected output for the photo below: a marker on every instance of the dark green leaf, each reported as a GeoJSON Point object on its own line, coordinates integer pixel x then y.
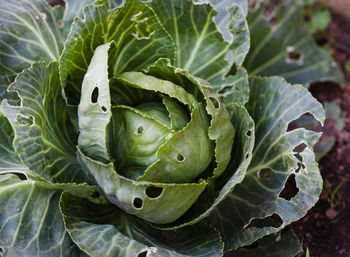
{"type": "Point", "coordinates": [9, 160]}
{"type": "Point", "coordinates": [72, 9]}
{"type": "Point", "coordinates": [30, 220]}
{"type": "Point", "coordinates": [201, 48]}
{"type": "Point", "coordinates": [43, 131]}
{"type": "Point", "coordinates": [29, 31]}
{"type": "Point", "coordinates": [256, 207]}
{"type": "Point", "coordinates": [280, 45]}
{"type": "Point", "coordinates": [105, 230]}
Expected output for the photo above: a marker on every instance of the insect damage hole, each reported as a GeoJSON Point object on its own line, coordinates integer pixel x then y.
{"type": "Point", "coordinates": [104, 109]}
{"type": "Point", "coordinates": [24, 120]}
{"type": "Point", "coordinates": [214, 102]}
{"type": "Point", "coordinates": [180, 157]}
{"type": "Point", "coordinates": [94, 95]}
{"type": "Point", "coordinates": [270, 221]}
{"type": "Point", "coordinates": [139, 130]}
{"type": "Point", "coordinates": [294, 56]}
{"type": "Point", "coordinates": [137, 203]}
{"type": "Point", "coordinates": [154, 192]}
{"type": "Point", "coordinates": [248, 133]}
{"type": "Point", "coordinates": [142, 254]}
{"type": "Point", "coordinates": [290, 188]}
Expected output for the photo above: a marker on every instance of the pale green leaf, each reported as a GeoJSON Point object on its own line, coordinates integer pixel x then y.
{"type": "Point", "coordinates": [104, 231]}
{"type": "Point", "coordinates": [280, 45]}
{"type": "Point", "coordinates": [241, 156]}
{"type": "Point", "coordinates": [154, 202]}
{"type": "Point", "coordinates": [43, 131]}
{"type": "Point", "coordinates": [247, 213]}
{"type": "Point", "coordinates": [94, 111]}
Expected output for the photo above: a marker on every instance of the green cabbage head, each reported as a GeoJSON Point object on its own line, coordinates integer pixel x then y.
{"type": "Point", "coordinates": [132, 129]}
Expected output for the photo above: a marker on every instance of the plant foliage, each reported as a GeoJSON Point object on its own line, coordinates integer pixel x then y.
{"type": "Point", "coordinates": [132, 128]}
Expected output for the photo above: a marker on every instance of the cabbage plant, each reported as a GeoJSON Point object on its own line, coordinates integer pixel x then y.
{"type": "Point", "coordinates": [132, 129]}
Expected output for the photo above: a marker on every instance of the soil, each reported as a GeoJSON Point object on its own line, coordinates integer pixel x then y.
{"type": "Point", "coordinates": [325, 230]}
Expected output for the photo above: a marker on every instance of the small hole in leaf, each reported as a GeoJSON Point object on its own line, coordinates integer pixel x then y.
{"type": "Point", "coordinates": [290, 188]}
{"type": "Point", "coordinates": [154, 192]}
{"type": "Point", "coordinates": [265, 173]}
{"type": "Point", "coordinates": [95, 195]}
{"type": "Point", "coordinates": [247, 156]}
{"type": "Point", "coordinates": [299, 148]}
{"type": "Point", "coordinates": [137, 203]}
{"type": "Point", "coordinates": [94, 95]}
{"type": "Point", "coordinates": [300, 166]}
{"type": "Point", "coordinates": [140, 130]}
{"type": "Point", "coordinates": [214, 102]}
{"type": "Point", "coordinates": [180, 157]}
{"type": "Point", "coordinates": [248, 133]}
{"type": "Point", "coordinates": [104, 108]}
{"type": "Point", "coordinates": [142, 254]}
{"type": "Point", "coordinates": [294, 56]}
{"type": "Point", "coordinates": [21, 177]}
{"type": "Point", "coordinates": [271, 221]}
{"type": "Point", "coordinates": [25, 120]}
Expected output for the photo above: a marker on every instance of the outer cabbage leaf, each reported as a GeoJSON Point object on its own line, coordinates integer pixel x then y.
{"type": "Point", "coordinates": [30, 221]}
{"type": "Point", "coordinates": [9, 160]}
{"type": "Point", "coordinates": [104, 230]}
{"type": "Point", "coordinates": [29, 31]}
{"type": "Point", "coordinates": [282, 245]}
{"type": "Point", "coordinates": [43, 131]}
{"type": "Point", "coordinates": [248, 213]}
{"type": "Point", "coordinates": [201, 48]}
{"type": "Point", "coordinates": [286, 49]}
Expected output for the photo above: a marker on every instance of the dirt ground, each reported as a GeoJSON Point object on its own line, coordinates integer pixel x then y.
{"type": "Point", "coordinates": [325, 231]}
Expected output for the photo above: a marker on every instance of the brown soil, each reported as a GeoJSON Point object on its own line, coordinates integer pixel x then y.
{"type": "Point", "coordinates": [325, 231]}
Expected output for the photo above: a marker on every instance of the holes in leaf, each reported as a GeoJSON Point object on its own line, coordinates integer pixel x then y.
{"type": "Point", "coordinates": [180, 157]}
{"type": "Point", "coordinates": [25, 120]}
{"type": "Point", "coordinates": [233, 70]}
{"type": "Point", "coordinates": [95, 195]}
{"type": "Point", "coordinates": [271, 221]}
{"type": "Point", "coordinates": [137, 203]}
{"type": "Point", "coordinates": [297, 150]}
{"type": "Point", "coordinates": [104, 109]}
{"type": "Point", "coordinates": [154, 192]}
{"type": "Point", "coordinates": [214, 102]}
{"type": "Point", "coordinates": [139, 130]}
{"type": "Point", "coordinates": [290, 188]}
{"type": "Point", "coordinates": [306, 121]}
{"type": "Point", "coordinates": [142, 254]}
{"type": "Point", "coordinates": [294, 56]}
{"type": "Point", "coordinates": [21, 177]}
{"type": "Point", "coordinates": [265, 173]}
{"type": "Point", "coordinates": [94, 95]}
{"type": "Point", "coordinates": [247, 156]}
{"type": "Point", "coordinates": [248, 133]}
